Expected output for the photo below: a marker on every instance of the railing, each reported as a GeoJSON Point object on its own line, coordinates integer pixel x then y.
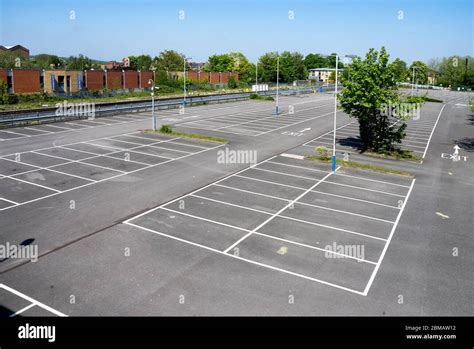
{"type": "Point", "coordinates": [36, 116]}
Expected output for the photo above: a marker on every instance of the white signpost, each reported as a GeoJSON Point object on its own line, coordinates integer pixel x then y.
{"type": "Point", "coordinates": [260, 88]}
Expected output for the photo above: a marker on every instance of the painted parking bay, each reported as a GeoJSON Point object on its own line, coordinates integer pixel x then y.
{"type": "Point", "coordinates": [284, 214]}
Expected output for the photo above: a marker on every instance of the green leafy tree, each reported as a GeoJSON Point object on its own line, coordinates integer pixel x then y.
{"type": "Point", "coordinates": [241, 65]}
{"type": "Point", "coordinates": [314, 61]}
{"type": "Point", "coordinates": [142, 62]}
{"type": "Point", "coordinates": [292, 67]}
{"type": "Point", "coordinates": [373, 85]}
{"type": "Point", "coordinates": [231, 83]}
{"type": "Point", "coordinates": [421, 72]}
{"type": "Point", "coordinates": [267, 67]}
{"type": "Point", "coordinates": [331, 61]}
{"type": "Point", "coordinates": [401, 70]}
{"type": "Point", "coordinates": [169, 60]}
{"type": "Point", "coordinates": [221, 63]}
{"type": "Point", "coordinates": [80, 62]}
{"type": "Point", "coordinates": [8, 60]}
{"type": "Point", "coordinates": [46, 61]}
{"type": "Point", "coordinates": [4, 96]}
{"type": "Point", "coordinates": [453, 72]}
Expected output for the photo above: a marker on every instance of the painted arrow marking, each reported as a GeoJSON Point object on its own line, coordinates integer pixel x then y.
{"type": "Point", "coordinates": [456, 150]}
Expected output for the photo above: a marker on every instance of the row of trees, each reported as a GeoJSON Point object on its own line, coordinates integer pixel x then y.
{"type": "Point", "coordinates": [46, 61]}
{"type": "Point", "coordinates": [454, 71]}
{"type": "Point", "coordinates": [449, 71]}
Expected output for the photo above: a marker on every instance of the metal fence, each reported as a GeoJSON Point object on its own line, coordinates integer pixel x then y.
{"type": "Point", "coordinates": [36, 116]}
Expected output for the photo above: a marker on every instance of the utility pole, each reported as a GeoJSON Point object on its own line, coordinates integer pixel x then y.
{"type": "Point", "coordinates": [334, 130]}
{"type": "Point", "coordinates": [277, 109]}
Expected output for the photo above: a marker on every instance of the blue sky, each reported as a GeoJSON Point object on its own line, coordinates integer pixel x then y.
{"type": "Point", "coordinates": [113, 29]}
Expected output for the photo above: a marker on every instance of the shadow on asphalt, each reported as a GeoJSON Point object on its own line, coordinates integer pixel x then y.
{"type": "Point", "coordinates": [466, 143]}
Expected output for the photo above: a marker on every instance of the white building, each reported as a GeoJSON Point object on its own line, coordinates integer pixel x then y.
{"type": "Point", "coordinates": [321, 74]}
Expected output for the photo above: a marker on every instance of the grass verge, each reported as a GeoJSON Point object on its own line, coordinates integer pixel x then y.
{"type": "Point", "coordinates": [262, 98]}
{"type": "Point", "coordinates": [355, 164]}
{"type": "Point", "coordinates": [399, 154]}
{"type": "Point", "coordinates": [167, 130]}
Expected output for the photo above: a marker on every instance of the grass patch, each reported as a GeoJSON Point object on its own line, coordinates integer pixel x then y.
{"type": "Point", "coordinates": [360, 165]}
{"type": "Point", "coordinates": [397, 154]}
{"type": "Point", "coordinates": [168, 130]}
{"type": "Point", "coordinates": [434, 100]}
{"type": "Point", "coordinates": [262, 98]}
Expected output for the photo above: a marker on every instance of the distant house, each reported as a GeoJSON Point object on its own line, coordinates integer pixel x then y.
{"type": "Point", "coordinates": [321, 74]}
{"type": "Point", "coordinates": [17, 49]}
{"type": "Point", "coordinates": [111, 65]}
{"type": "Point", "coordinates": [197, 65]}
{"type": "Point", "coordinates": [432, 76]}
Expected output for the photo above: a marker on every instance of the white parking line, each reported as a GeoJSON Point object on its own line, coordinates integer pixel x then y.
{"type": "Point", "coordinates": [270, 182]}
{"type": "Point", "coordinates": [372, 277]}
{"type": "Point", "coordinates": [280, 211]}
{"type": "Point", "coordinates": [355, 199]}
{"type": "Point", "coordinates": [39, 168]}
{"type": "Point", "coordinates": [16, 133]}
{"type": "Point", "coordinates": [55, 126]}
{"type": "Point", "coordinates": [121, 173]}
{"type": "Point", "coordinates": [432, 131]}
{"type": "Point", "coordinates": [23, 310]}
{"type": "Point", "coordinates": [34, 301]}
{"type": "Point", "coordinates": [246, 260]}
{"type": "Point", "coordinates": [32, 183]}
{"type": "Point", "coordinates": [366, 189]}
{"type": "Point", "coordinates": [37, 129]}
{"type": "Point", "coordinates": [339, 174]}
{"type": "Point", "coordinates": [10, 201]}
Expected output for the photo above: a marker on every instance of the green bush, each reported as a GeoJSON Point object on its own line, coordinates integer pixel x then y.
{"type": "Point", "coordinates": [166, 128]}
{"type": "Point", "coordinates": [231, 83]}
{"type": "Point", "coordinates": [253, 96]}
{"type": "Point", "coordinates": [322, 152]}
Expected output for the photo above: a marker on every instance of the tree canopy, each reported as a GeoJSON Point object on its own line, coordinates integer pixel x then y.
{"type": "Point", "coordinates": [372, 86]}
{"type": "Point", "coordinates": [420, 73]}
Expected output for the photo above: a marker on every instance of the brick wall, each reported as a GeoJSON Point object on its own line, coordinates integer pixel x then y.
{"type": "Point", "coordinates": [26, 81]}
{"type": "Point", "coordinates": [131, 79]}
{"type": "Point", "coordinates": [204, 76]}
{"type": "Point", "coordinates": [3, 75]}
{"type": "Point", "coordinates": [224, 78]}
{"type": "Point", "coordinates": [94, 80]}
{"type": "Point", "coordinates": [235, 76]}
{"type": "Point", "coordinates": [144, 77]}
{"type": "Point", "coordinates": [192, 75]}
{"type": "Point", "coordinates": [214, 78]}
{"type": "Point", "coordinates": [114, 80]}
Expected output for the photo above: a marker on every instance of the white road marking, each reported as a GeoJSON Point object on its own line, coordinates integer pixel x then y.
{"type": "Point", "coordinates": [372, 277]}
{"type": "Point", "coordinates": [280, 211]}
{"type": "Point", "coordinates": [432, 131]}
{"type": "Point", "coordinates": [34, 301]}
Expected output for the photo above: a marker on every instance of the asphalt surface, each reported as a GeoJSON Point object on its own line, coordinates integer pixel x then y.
{"type": "Point", "coordinates": [128, 223]}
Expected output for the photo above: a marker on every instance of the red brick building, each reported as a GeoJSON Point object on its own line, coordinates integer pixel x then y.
{"type": "Point", "coordinates": [114, 79]}
{"type": "Point", "coordinates": [214, 78]}
{"type": "Point", "coordinates": [17, 50]}
{"type": "Point", "coordinates": [145, 76]}
{"type": "Point", "coordinates": [25, 81]}
{"type": "Point", "coordinates": [94, 80]}
{"type": "Point", "coordinates": [131, 79]}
